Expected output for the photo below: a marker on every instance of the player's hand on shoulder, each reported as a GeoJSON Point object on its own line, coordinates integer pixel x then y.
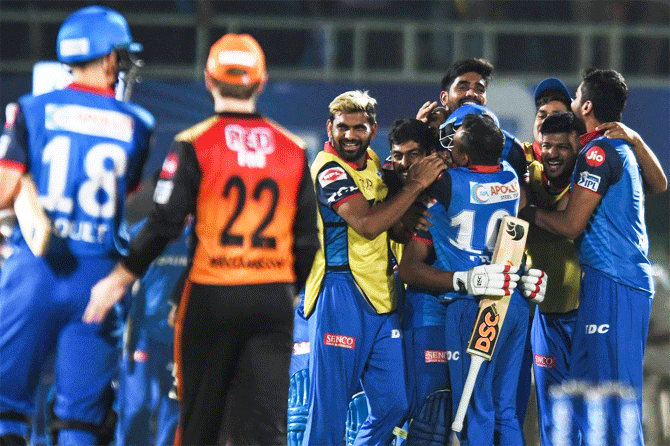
{"type": "Point", "coordinates": [426, 170]}
{"type": "Point", "coordinates": [489, 280]}
{"type": "Point", "coordinates": [533, 284]}
{"type": "Point", "coordinates": [618, 130]}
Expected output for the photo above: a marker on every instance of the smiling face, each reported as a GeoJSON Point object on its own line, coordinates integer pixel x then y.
{"type": "Point", "coordinates": [404, 155]}
{"type": "Point", "coordinates": [544, 111]}
{"type": "Point", "coordinates": [467, 88]}
{"type": "Point", "coordinates": [559, 151]}
{"type": "Point", "coordinates": [350, 134]}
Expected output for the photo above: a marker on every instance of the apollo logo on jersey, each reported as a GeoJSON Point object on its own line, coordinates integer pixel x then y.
{"type": "Point", "coordinates": [489, 193]}
{"type": "Point", "coordinates": [589, 181]}
{"type": "Point", "coordinates": [595, 156]}
{"type": "Point", "coordinates": [547, 362]}
{"type": "Point", "coordinates": [89, 121]}
{"type": "Point", "coordinates": [252, 145]}
{"type": "Point", "coordinates": [336, 340]}
{"type": "Point", "coordinates": [331, 175]}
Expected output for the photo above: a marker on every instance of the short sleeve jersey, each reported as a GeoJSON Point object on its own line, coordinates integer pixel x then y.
{"type": "Point", "coordinates": [85, 150]}
{"type": "Point", "coordinates": [615, 241]}
{"type": "Point", "coordinates": [467, 207]}
{"type": "Point", "coordinates": [343, 249]}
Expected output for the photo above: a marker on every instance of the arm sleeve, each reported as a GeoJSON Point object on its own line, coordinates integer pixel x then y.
{"type": "Point", "coordinates": [598, 167]}
{"type": "Point", "coordinates": [174, 199]}
{"type": "Point", "coordinates": [514, 154]}
{"type": "Point", "coordinates": [440, 189]}
{"type": "Point", "coordinates": [334, 185]}
{"type": "Point", "coordinates": [305, 233]}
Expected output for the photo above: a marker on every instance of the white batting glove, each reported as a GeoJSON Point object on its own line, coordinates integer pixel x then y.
{"type": "Point", "coordinates": [533, 284]}
{"type": "Point", "coordinates": [490, 280]}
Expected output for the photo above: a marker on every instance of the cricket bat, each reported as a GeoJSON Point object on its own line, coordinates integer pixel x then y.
{"type": "Point", "coordinates": [33, 221]}
{"type": "Point", "coordinates": [509, 250]}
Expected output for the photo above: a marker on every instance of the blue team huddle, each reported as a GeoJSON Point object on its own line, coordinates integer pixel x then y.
{"type": "Point", "coordinates": [388, 278]}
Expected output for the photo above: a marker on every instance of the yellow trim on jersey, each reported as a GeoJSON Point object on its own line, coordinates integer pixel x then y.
{"type": "Point", "coordinates": [558, 258]}
{"type": "Point", "coordinates": [369, 260]}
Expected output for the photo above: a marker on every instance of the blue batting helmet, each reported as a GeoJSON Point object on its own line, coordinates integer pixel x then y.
{"type": "Point", "coordinates": [93, 32]}
{"type": "Point", "coordinates": [454, 121]}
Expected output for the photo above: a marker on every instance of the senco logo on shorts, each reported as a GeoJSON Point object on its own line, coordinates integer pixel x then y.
{"type": "Point", "coordinates": [493, 192]}
{"type": "Point", "coordinates": [548, 362]}
{"type": "Point", "coordinates": [435, 356]}
{"type": "Point", "coordinates": [336, 340]}
{"type": "Point", "coordinates": [595, 156]}
{"type": "Point", "coordinates": [440, 356]}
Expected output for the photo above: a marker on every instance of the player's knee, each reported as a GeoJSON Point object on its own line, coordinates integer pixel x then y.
{"type": "Point", "coordinates": [14, 428]}
{"type": "Point", "coordinates": [78, 432]}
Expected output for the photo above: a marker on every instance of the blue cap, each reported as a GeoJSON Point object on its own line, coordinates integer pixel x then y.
{"type": "Point", "coordinates": [551, 83]}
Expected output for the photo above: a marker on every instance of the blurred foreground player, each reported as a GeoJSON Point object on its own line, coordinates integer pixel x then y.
{"type": "Point", "coordinates": [247, 182]}
{"type": "Point", "coordinates": [85, 151]}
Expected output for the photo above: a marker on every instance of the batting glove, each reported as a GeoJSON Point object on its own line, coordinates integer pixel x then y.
{"type": "Point", "coordinates": [489, 280]}
{"type": "Point", "coordinates": [533, 284]}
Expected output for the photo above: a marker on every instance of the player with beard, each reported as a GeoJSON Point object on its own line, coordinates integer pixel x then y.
{"type": "Point", "coordinates": [350, 300]}
{"type": "Point", "coordinates": [466, 82]}
{"type": "Point", "coordinates": [605, 214]}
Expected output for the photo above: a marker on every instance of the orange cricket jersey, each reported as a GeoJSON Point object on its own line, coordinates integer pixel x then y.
{"type": "Point", "coordinates": [251, 171]}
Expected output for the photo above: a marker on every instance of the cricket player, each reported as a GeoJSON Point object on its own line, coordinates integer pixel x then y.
{"type": "Point", "coordinates": [85, 151]}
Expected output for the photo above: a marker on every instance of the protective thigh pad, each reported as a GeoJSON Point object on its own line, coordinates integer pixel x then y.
{"type": "Point", "coordinates": [356, 416]}
{"type": "Point", "coordinates": [104, 431]}
{"type": "Point", "coordinates": [432, 424]}
{"type": "Point", "coordinates": [298, 396]}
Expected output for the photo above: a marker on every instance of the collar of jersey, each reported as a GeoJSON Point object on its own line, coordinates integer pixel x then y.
{"type": "Point", "coordinates": [588, 137]}
{"type": "Point", "coordinates": [328, 147]}
{"type": "Point", "coordinates": [88, 89]}
{"type": "Point", "coordinates": [238, 114]}
{"type": "Point", "coordinates": [485, 169]}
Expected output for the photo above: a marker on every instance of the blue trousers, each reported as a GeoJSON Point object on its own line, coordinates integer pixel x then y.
{"type": "Point", "coordinates": [144, 383]}
{"type": "Point", "coordinates": [491, 416]}
{"type": "Point", "coordinates": [41, 305]}
{"type": "Point", "coordinates": [351, 344]}
{"type": "Point", "coordinates": [609, 341]}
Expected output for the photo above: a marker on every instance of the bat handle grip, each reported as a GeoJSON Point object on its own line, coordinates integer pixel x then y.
{"type": "Point", "coordinates": [475, 364]}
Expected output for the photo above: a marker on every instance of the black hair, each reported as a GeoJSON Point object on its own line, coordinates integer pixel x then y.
{"type": "Point", "coordinates": [559, 122]}
{"type": "Point", "coordinates": [480, 66]}
{"type": "Point", "coordinates": [552, 95]}
{"type": "Point", "coordinates": [607, 91]}
{"type": "Point", "coordinates": [411, 129]}
{"type": "Point", "coordinates": [482, 139]}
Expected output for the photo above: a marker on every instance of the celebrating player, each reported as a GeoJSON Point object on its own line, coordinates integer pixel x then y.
{"type": "Point", "coordinates": [445, 261]}
{"type": "Point", "coordinates": [349, 299]}
{"type": "Point", "coordinates": [605, 214]}
{"type": "Point", "coordinates": [246, 181]}
{"type": "Point", "coordinates": [85, 151]}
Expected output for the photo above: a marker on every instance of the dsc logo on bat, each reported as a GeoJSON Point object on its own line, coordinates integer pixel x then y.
{"type": "Point", "coordinates": [487, 331]}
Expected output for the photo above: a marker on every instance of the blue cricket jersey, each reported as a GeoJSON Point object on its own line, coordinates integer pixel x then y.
{"type": "Point", "coordinates": [85, 151]}
{"type": "Point", "coordinates": [615, 240]}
